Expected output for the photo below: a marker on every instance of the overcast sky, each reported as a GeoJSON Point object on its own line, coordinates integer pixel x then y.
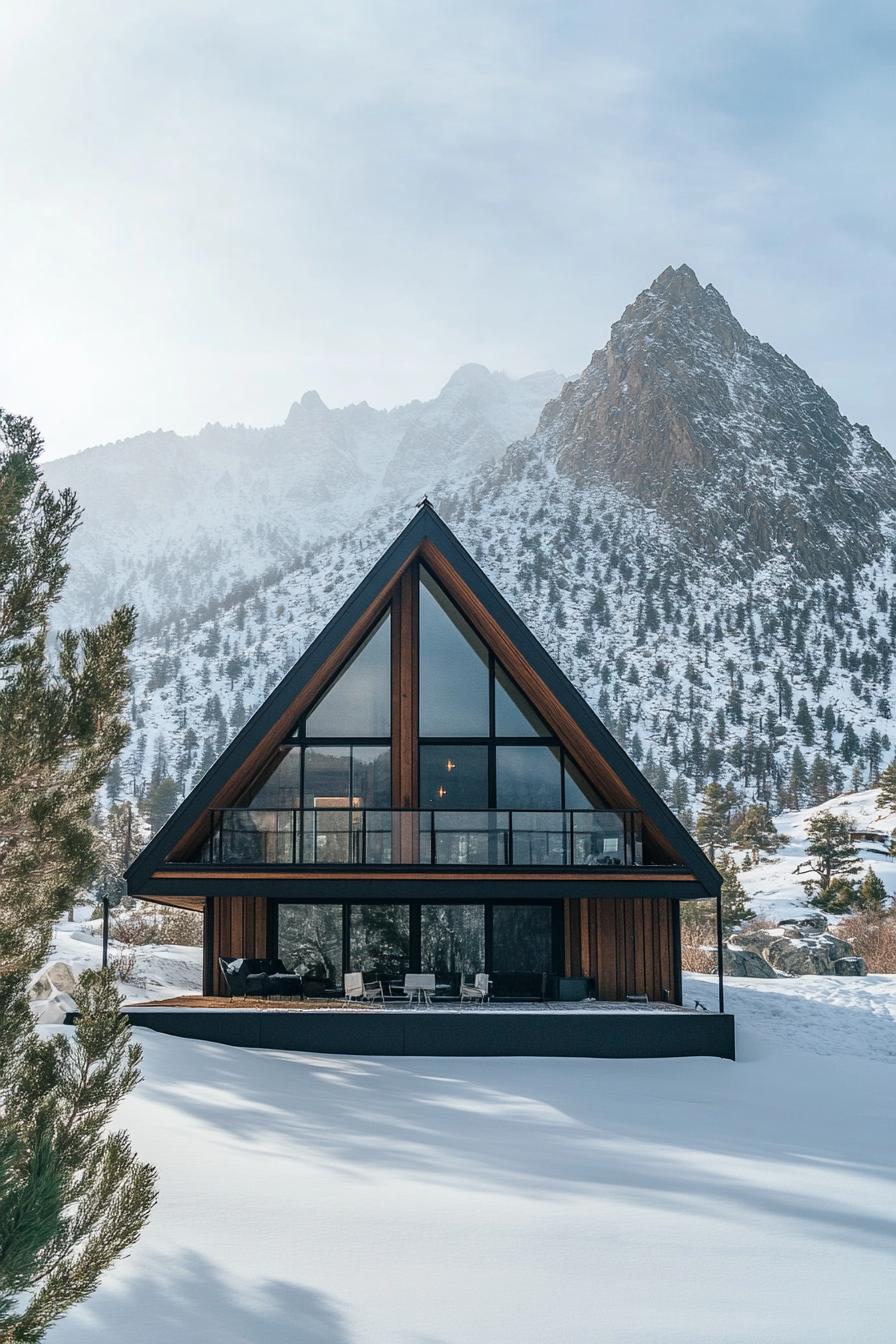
{"type": "Point", "coordinates": [208, 208]}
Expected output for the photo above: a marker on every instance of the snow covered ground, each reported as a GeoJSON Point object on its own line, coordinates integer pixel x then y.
{"type": "Point", "coordinates": [775, 887]}
{"type": "Point", "coordinates": [160, 970]}
{"type": "Point", "coordinates": [316, 1199]}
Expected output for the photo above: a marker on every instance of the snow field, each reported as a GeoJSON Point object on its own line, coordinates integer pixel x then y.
{"type": "Point", "coordinates": [420, 1201]}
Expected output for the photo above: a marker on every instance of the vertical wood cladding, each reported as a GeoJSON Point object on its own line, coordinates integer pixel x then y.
{"type": "Point", "coordinates": [627, 946]}
{"type": "Point", "coordinates": [404, 713]}
{"type": "Point", "coordinates": [239, 928]}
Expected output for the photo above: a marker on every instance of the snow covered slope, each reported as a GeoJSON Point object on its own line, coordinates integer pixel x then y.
{"type": "Point", "coordinates": [159, 970]}
{"type": "Point", "coordinates": [774, 885]}
{"type": "Point", "coordinates": [335, 1200]}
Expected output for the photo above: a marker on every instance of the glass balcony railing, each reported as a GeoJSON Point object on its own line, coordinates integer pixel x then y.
{"type": "Point", "coordinates": [429, 837]}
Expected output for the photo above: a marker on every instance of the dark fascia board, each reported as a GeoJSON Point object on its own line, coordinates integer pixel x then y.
{"type": "Point", "coordinates": [426, 525]}
{"type": "Point", "coordinates": [435, 885]}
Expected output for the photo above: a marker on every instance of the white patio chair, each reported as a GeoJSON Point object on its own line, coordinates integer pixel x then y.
{"type": "Point", "coordinates": [420, 987]}
{"type": "Point", "coordinates": [357, 989]}
{"type": "Point", "coordinates": [478, 991]}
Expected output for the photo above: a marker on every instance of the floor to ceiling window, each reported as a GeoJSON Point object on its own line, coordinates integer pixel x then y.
{"type": "Point", "coordinates": [380, 943]}
{"type": "Point", "coordinates": [385, 940]}
{"type": "Point", "coordinates": [522, 938]}
{"type": "Point", "coordinates": [452, 941]}
{"type": "Point", "coordinates": [309, 941]}
{"type": "Point", "coordinates": [336, 766]}
{"type": "Point", "coordinates": [485, 752]}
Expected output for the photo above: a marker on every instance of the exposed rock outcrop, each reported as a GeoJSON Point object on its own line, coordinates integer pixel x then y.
{"type": "Point", "coordinates": [794, 950]}
{"type": "Point", "coordinates": [738, 961]}
{"type": "Point", "coordinates": [730, 441]}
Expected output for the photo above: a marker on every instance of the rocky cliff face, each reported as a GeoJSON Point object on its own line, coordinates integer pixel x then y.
{"type": "Point", "coordinates": [732, 444]}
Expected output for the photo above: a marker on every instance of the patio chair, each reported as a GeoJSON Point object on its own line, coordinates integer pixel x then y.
{"type": "Point", "coordinates": [357, 989]}
{"type": "Point", "coordinates": [478, 991]}
{"type": "Point", "coordinates": [420, 987]}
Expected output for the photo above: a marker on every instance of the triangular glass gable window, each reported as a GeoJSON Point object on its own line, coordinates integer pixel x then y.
{"type": "Point", "coordinates": [453, 668]}
{"type": "Point", "coordinates": [359, 702]}
{"type": "Point", "coordinates": [514, 716]}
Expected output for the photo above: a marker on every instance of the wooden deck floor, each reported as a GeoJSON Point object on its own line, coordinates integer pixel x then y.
{"type": "Point", "coordinates": [453, 1006]}
{"type": "Point", "coordinates": [264, 1005]}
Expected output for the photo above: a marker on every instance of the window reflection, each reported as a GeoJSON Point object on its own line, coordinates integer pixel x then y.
{"type": "Point", "coordinates": [282, 785]}
{"type": "Point", "coordinates": [522, 938]}
{"type": "Point", "coordinates": [578, 791]}
{"type": "Point", "coordinates": [514, 716]}
{"type": "Point", "coordinates": [359, 702]}
{"type": "Point", "coordinates": [452, 941]}
{"type": "Point", "coordinates": [528, 777]}
{"type": "Point", "coordinates": [380, 941]}
{"type": "Point", "coordinates": [453, 776]}
{"type": "Point", "coordinates": [453, 669]}
{"type": "Point", "coordinates": [309, 942]}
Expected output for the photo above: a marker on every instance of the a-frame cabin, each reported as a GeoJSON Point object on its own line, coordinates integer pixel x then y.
{"type": "Point", "coordinates": [426, 791]}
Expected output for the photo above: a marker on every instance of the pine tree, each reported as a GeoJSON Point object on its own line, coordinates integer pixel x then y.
{"type": "Point", "coordinates": [114, 782]}
{"type": "Point", "coordinates": [713, 826]}
{"type": "Point", "coordinates": [839, 897]}
{"type": "Point", "coordinates": [735, 904]}
{"type": "Point", "coordinates": [887, 799]}
{"type": "Point", "coordinates": [819, 781]}
{"type": "Point", "coordinates": [830, 849]}
{"type": "Point", "coordinates": [72, 1197]}
{"type": "Point", "coordinates": [161, 799]}
{"type": "Point", "coordinates": [756, 832]}
{"type": "Point", "coordinates": [872, 894]}
{"type": "Point", "coordinates": [873, 750]}
{"type": "Point", "coordinates": [116, 845]}
{"type": "Point", "coordinates": [849, 744]}
{"type": "Point", "coordinates": [804, 722]}
{"type": "Point", "coordinates": [680, 797]}
{"type": "Point", "coordinates": [799, 779]}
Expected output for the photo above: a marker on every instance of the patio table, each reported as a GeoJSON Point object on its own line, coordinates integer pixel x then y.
{"type": "Point", "coordinates": [417, 994]}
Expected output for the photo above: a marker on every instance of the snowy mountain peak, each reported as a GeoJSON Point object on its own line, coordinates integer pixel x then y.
{"type": "Point", "coordinates": [727, 439]}
{"type": "Point", "coordinates": [310, 403]}
{"type": "Point", "coordinates": [470, 376]}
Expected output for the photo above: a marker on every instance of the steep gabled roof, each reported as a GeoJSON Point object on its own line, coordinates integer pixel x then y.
{"type": "Point", "coordinates": [426, 536]}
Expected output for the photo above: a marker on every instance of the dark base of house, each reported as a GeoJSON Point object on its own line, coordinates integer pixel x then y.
{"type": "Point", "coordinates": [604, 1032]}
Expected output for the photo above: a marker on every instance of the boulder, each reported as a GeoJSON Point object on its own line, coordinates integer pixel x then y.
{"type": "Point", "coordinates": [801, 951]}
{"type": "Point", "coordinates": [58, 976]}
{"type": "Point", "coordinates": [850, 966]}
{"type": "Point", "coordinates": [738, 961]}
{"type": "Point", "coordinates": [818, 922]}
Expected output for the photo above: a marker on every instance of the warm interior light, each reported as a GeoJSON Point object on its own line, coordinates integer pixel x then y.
{"type": "Point", "coordinates": [441, 791]}
{"type": "Point", "coordinates": [449, 765]}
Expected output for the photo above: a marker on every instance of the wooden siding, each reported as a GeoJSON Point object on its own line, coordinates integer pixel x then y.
{"type": "Point", "coordinates": [239, 928]}
{"type": "Point", "coordinates": [628, 946]}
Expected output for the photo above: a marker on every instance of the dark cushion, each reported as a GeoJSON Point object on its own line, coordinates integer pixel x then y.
{"type": "Point", "coordinates": [519, 985]}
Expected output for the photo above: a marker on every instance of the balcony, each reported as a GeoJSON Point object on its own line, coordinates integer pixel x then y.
{"type": "Point", "coordinates": [427, 838]}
